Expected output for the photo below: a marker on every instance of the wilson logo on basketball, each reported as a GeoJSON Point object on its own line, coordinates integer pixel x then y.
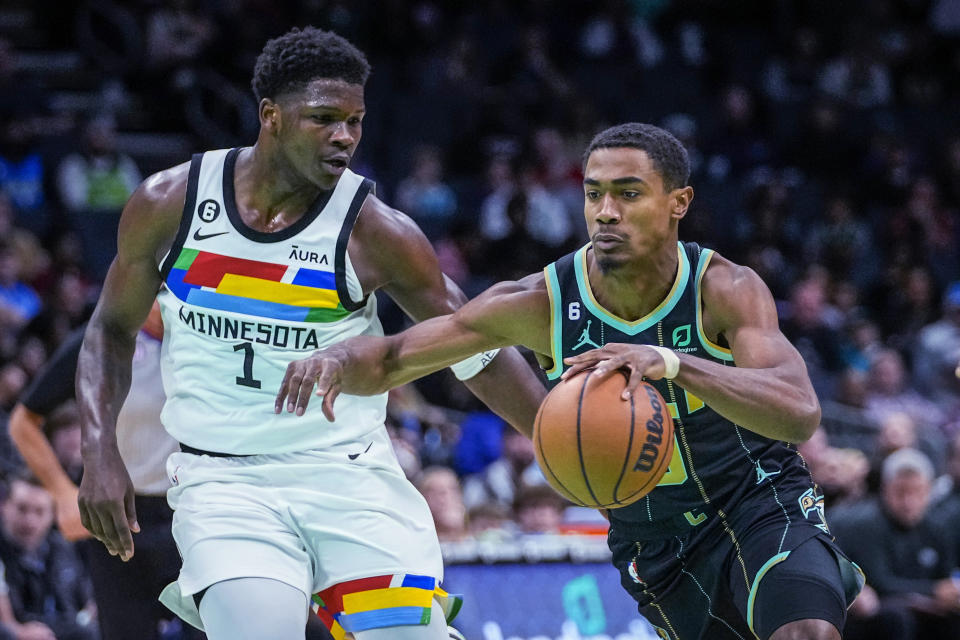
{"type": "Point", "coordinates": [648, 453]}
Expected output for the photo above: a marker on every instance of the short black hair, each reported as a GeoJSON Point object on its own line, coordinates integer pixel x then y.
{"type": "Point", "coordinates": [668, 154]}
{"type": "Point", "coordinates": [290, 61]}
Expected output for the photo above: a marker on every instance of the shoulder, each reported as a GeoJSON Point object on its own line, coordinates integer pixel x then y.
{"type": "Point", "coordinates": [724, 278]}
{"type": "Point", "coordinates": [152, 214]}
{"type": "Point", "coordinates": [734, 294]}
{"type": "Point", "coordinates": [381, 224]}
{"type": "Point", "coordinates": [387, 247]}
{"type": "Point", "coordinates": [164, 190]}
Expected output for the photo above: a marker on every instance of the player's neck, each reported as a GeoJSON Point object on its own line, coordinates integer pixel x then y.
{"type": "Point", "coordinates": [269, 196]}
{"type": "Point", "coordinates": [633, 290]}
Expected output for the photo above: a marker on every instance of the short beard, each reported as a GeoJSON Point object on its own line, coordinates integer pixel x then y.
{"type": "Point", "coordinates": [607, 264]}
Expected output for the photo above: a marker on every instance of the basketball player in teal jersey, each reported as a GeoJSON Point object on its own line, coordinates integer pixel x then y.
{"type": "Point", "coordinates": [732, 543]}
{"type": "Point", "coordinates": [262, 255]}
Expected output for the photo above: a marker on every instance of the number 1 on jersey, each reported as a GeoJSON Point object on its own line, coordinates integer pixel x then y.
{"type": "Point", "coordinates": [247, 380]}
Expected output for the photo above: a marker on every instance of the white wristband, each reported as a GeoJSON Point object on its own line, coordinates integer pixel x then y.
{"type": "Point", "coordinates": [466, 369]}
{"type": "Point", "coordinates": [671, 362]}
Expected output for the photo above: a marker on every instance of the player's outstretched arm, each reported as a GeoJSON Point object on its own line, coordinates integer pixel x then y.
{"type": "Point", "coordinates": [389, 252]}
{"type": "Point", "coordinates": [768, 392]}
{"type": "Point", "coordinates": [147, 228]}
{"type": "Point", "coordinates": [508, 313]}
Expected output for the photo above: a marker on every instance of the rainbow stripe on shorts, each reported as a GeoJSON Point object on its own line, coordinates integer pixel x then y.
{"type": "Point", "coordinates": [382, 601]}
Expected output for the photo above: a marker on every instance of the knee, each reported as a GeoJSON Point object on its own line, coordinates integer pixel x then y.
{"type": "Point", "coordinates": [809, 629]}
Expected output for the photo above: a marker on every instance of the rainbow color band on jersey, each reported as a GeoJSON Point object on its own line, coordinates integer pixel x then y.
{"type": "Point", "coordinates": [251, 287]}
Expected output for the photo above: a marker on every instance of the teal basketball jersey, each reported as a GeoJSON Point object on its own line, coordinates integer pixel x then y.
{"type": "Point", "coordinates": [715, 462]}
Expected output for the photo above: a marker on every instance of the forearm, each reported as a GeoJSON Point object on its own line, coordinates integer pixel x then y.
{"type": "Point", "coordinates": [27, 435]}
{"type": "Point", "coordinates": [103, 380]}
{"type": "Point", "coordinates": [772, 402]}
{"type": "Point", "coordinates": [511, 389]}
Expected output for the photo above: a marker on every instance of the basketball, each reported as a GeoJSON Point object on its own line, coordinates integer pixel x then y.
{"type": "Point", "coordinates": [597, 449]}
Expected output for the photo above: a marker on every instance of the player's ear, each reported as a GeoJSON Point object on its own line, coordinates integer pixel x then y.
{"type": "Point", "coordinates": [269, 115]}
{"type": "Point", "coordinates": [680, 200]}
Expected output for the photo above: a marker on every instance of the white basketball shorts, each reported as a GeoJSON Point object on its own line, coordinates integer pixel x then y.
{"type": "Point", "coordinates": [310, 519]}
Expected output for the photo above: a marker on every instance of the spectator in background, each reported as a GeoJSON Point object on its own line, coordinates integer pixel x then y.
{"type": "Point", "coordinates": [47, 582]}
{"type": "Point", "coordinates": [538, 509]}
{"type": "Point", "coordinates": [908, 306]}
{"type": "Point", "coordinates": [518, 253]}
{"type": "Point", "coordinates": [890, 392]}
{"type": "Point", "coordinates": [94, 183]}
{"type": "Point", "coordinates": [558, 170]}
{"type": "Point", "coordinates": [899, 431]}
{"type": "Point", "coordinates": [67, 307]}
{"type": "Point", "coordinates": [843, 243]}
{"type": "Point", "coordinates": [441, 489]}
{"type": "Point", "coordinates": [937, 354]}
{"type": "Point", "coordinates": [490, 522]}
{"type": "Point", "coordinates": [502, 480]}
{"type": "Point", "coordinates": [857, 77]}
{"type": "Point", "coordinates": [10, 629]}
{"type": "Point", "coordinates": [820, 345]}
{"type": "Point", "coordinates": [948, 498]}
{"type": "Point", "coordinates": [97, 177]}
{"type": "Point", "coordinates": [425, 197]}
{"type": "Point", "coordinates": [32, 257]}
{"type": "Point", "coordinates": [502, 184]}
{"type": "Point", "coordinates": [177, 33]}
{"type": "Point", "coordinates": [19, 303]}
{"type": "Point", "coordinates": [840, 472]}
{"type": "Point", "coordinates": [540, 215]}
{"type": "Point", "coordinates": [791, 78]}
{"type": "Point", "coordinates": [906, 555]}
{"type": "Point", "coordinates": [936, 227]}
{"type": "Point", "coordinates": [23, 172]}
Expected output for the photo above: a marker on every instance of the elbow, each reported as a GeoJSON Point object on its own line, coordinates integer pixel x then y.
{"type": "Point", "coordinates": [806, 420]}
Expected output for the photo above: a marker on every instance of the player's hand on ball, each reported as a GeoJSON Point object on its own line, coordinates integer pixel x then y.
{"type": "Point", "coordinates": [324, 369]}
{"type": "Point", "coordinates": [637, 361]}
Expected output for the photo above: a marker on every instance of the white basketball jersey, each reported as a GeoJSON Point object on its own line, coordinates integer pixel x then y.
{"type": "Point", "coordinates": [239, 305]}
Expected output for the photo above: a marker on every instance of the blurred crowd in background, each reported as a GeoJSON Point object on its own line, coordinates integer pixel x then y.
{"type": "Point", "coordinates": [825, 147]}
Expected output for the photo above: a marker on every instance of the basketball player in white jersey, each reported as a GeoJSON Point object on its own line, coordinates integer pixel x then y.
{"type": "Point", "coordinates": [261, 255]}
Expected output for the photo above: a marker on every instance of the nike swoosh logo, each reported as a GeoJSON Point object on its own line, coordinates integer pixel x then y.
{"type": "Point", "coordinates": [354, 456]}
{"type": "Point", "coordinates": [203, 236]}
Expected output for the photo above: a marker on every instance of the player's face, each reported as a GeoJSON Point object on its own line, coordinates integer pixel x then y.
{"type": "Point", "coordinates": [320, 128]}
{"type": "Point", "coordinates": [629, 214]}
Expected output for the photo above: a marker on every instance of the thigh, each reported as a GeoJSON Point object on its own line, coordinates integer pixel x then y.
{"type": "Point", "coordinates": [681, 587]}
{"type": "Point", "coordinates": [361, 517]}
{"type": "Point", "coordinates": [805, 583]}
{"type": "Point", "coordinates": [228, 523]}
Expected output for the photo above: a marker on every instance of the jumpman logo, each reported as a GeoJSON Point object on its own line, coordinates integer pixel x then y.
{"type": "Point", "coordinates": [585, 339]}
{"type": "Point", "coordinates": [763, 475]}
